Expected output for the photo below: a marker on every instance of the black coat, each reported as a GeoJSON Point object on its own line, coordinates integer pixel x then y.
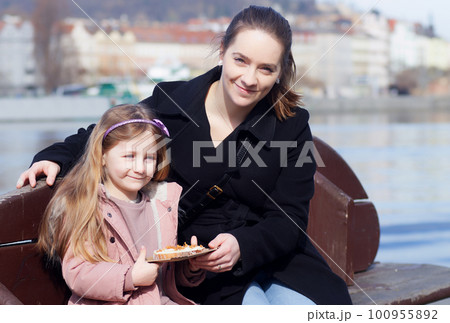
{"type": "Point", "coordinates": [265, 205]}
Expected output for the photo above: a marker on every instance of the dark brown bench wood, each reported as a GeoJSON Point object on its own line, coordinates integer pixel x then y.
{"type": "Point", "coordinates": [24, 271]}
{"type": "Point", "coordinates": [343, 222]}
{"type": "Point", "coordinates": [401, 284]}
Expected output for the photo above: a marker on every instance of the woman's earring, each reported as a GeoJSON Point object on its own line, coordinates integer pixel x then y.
{"type": "Point", "coordinates": [220, 63]}
{"type": "Point", "coordinates": [277, 81]}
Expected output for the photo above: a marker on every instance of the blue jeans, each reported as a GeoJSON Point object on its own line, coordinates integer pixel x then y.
{"type": "Point", "coordinates": [266, 290]}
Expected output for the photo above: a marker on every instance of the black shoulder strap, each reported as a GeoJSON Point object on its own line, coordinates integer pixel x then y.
{"type": "Point", "coordinates": [187, 216]}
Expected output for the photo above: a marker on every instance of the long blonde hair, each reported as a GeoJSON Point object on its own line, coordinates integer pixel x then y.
{"type": "Point", "coordinates": [73, 218]}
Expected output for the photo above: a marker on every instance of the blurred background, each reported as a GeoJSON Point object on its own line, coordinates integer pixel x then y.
{"type": "Point", "coordinates": [375, 76]}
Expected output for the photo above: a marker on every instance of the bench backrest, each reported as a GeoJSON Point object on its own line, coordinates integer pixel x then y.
{"type": "Point", "coordinates": [23, 269]}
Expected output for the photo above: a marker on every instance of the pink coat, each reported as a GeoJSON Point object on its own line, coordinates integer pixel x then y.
{"type": "Point", "coordinates": [104, 282]}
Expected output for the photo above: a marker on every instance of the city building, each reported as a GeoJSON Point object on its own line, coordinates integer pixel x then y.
{"type": "Point", "coordinates": [174, 45]}
{"type": "Point", "coordinates": [405, 47]}
{"type": "Point", "coordinates": [344, 54]}
{"type": "Point", "coordinates": [17, 64]}
{"type": "Point", "coordinates": [338, 52]}
{"type": "Point", "coordinates": [98, 53]}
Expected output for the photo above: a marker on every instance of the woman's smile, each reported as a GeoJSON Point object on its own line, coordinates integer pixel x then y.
{"type": "Point", "coordinates": [244, 89]}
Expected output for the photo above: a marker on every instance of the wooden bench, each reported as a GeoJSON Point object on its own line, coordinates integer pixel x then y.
{"type": "Point", "coordinates": [343, 225]}
{"type": "Point", "coordinates": [24, 271]}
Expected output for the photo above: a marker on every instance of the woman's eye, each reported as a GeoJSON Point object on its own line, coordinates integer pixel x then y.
{"type": "Point", "coordinates": [129, 156]}
{"type": "Point", "coordinates": [267, 69]}
{"type": "Point", "coordinates": [239, 60]}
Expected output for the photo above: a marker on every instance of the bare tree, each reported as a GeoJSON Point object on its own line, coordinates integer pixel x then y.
{"type": "Point", "coordinates": [56, 63]}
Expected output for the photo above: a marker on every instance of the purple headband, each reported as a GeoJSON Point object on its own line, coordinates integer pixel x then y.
{"type": "Point", "coordinates": [156, 122]}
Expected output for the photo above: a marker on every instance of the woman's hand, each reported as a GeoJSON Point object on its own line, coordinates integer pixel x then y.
{"type": "Point", "coordinates": [43, 167]}
{"type": "Point", "coordinates": [224, 258]}
{"type": "Point", "coordinates": [144, 273]}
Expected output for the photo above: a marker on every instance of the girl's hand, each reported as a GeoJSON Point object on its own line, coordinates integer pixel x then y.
{"type": "Point", "coordinates": [192, 266]}
{"type": "Point", "coordinates": [43, 167]}
{"type": "Point", "coordinates": [144, 273]}
{"type": "Point", "coordinates": [224, 258]}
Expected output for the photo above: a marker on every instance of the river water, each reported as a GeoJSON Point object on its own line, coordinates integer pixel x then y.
{"type": "Point", "coordinates": [403, 162]}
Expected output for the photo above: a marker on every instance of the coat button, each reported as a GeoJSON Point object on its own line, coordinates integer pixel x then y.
{"type": "Point", "coordinates": [169, 209]}
{"type": "Point", "coordinates": [112, 240]}
{"type": "Point", "coordinates": [109, 215]}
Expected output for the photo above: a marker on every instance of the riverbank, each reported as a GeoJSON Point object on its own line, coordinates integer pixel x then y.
{"type": "Point", "coordinates": [70, 108]}
{"type": "Point", "coordinates": [52, 108]}
{"type": "Point", "coordinates": [381, 104]}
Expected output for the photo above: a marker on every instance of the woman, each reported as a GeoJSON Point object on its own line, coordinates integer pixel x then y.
{"type": "Point", "coordinates": [258, 222]}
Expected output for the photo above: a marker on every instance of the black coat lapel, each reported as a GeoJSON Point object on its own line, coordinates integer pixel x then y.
{"type": "Point", "coordinates": [180, 105]}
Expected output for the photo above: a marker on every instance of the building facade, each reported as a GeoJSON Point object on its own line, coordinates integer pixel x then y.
{"type": "Point", "coordinates": [17, 64]}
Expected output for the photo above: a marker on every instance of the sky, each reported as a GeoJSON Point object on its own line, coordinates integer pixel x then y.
{"type": "Point", "coordinates": [410, 10]}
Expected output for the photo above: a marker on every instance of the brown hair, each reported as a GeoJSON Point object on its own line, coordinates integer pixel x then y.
{"type": "Point", "coordinates": [281, 96]}
{"type": "Point", "coordinates": [72, 217]}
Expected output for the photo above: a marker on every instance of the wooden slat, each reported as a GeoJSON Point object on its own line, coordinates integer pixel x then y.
{"type": "Point", "coordinates": [21, 212]}
{"type": "Point", "coordinates": [329, 226]}
{"type": "Point", "coordinates": [365, 234]}
{"type": "Point", "coordinates": [401, 284]}
{"type": "Point", "coordinates": [24, 274]}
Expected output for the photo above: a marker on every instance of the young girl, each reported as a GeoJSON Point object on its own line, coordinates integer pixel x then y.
{"type": "Point", "coordinates": [113, 210]}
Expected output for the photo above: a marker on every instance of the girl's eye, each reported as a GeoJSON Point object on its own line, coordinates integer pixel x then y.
{"type": "Point", "coordinates": [150, 158]}
{"type": "Point", "coordinates": [239, 60]}
{"type": "Point", "coordinates": [129, 156]}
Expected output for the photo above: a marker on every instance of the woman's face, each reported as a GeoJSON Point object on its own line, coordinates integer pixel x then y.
{"type": "Point", "coordinates": [251, 65]}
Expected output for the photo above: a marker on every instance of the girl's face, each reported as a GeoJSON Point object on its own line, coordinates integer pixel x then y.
{"type": "Point", "coordinates": [130, 165]}
{"type": "Point", "coordinates": [251, 65]}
